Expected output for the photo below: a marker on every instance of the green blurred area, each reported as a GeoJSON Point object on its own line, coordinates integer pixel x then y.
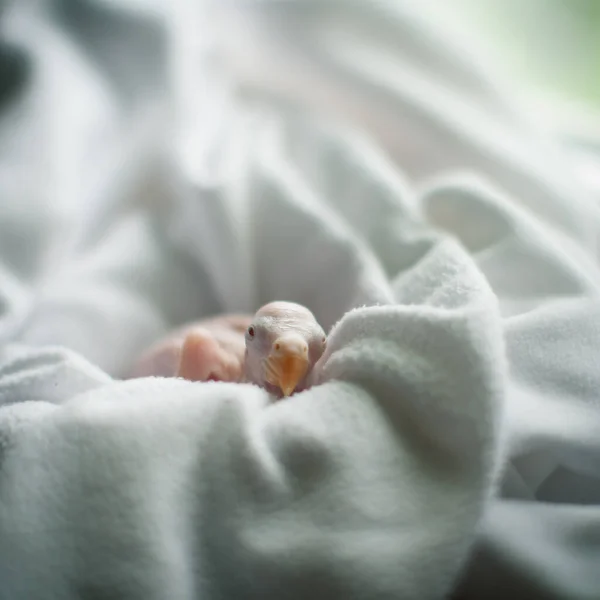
{"type": "Point", "coordinates": [551, 46]}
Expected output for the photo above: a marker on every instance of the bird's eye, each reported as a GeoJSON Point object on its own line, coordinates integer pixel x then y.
{"type": "Point", "coordinates": [251, 331]}
{"type": "Point", "coordinates": [324, 341]}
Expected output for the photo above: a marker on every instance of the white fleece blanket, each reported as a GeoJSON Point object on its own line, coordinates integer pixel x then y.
{"type": "Point", "coordinates": [162, 164]}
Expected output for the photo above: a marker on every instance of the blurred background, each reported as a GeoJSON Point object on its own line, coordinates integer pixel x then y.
{"type": "Point", "coordinates": [550, 47]}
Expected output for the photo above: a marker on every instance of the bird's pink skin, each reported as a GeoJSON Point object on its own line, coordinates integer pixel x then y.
{"type": "Point", "coordinates": [208, 350]}
{"type": "Point", "coordinates": [222, 349]}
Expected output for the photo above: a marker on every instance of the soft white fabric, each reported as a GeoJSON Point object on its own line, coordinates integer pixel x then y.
{"type": "Point", "coordinates": [163, 165]}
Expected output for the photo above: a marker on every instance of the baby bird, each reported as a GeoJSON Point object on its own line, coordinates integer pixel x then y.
{"type": "Point", "coordinates": [283, 344]}
{"type": "Point", "coordinates": [276, 349]}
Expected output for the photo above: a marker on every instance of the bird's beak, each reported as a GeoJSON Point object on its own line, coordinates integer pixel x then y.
{"type": "Point", "coordinates": [287, 363]}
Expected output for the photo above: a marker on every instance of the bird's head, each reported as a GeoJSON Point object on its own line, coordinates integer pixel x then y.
{"type": "Point", "coordinates": [283, 343]}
